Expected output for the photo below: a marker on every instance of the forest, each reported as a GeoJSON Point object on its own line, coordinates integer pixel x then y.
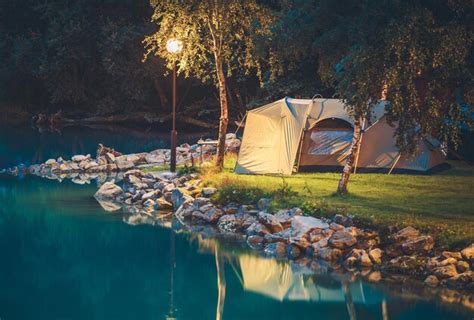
{"type": "Point", "coordinates": [99, 58]}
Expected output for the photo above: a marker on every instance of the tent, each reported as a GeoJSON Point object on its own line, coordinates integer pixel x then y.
{"type": "Point", "coordinates": [317, 134]}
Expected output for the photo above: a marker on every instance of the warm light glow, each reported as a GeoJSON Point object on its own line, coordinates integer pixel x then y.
{"type": "Point", "coordinates": [174, 45]}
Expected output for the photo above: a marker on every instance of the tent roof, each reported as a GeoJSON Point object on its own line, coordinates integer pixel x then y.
{"type": "Point", "coordinates": [320, 109]}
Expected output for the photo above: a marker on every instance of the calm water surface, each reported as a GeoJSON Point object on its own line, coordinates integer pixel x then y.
{"type": "Point", "coordinates": [63, 257]}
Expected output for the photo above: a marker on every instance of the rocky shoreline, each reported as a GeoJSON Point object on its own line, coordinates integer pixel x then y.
{"type": "Point", "coordinates": [289, 234]}
{"type": "Point", "coordinates": [184, 204]}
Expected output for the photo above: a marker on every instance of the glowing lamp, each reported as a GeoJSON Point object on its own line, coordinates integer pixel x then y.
{"type": "Point", "coordinates": [174, 45]}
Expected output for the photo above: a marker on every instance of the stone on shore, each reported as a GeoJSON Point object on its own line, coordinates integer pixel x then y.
{"type": "Point", "coordinates": [302, 225]}
{"type": "Point", "coordinates": [342, 240]}
{"type": "Point", "coordinates": [468, 253]}
{"type": "Point", "coordinates": [108, 191]}
{"type": "Point", "coordinates": [269, 221]}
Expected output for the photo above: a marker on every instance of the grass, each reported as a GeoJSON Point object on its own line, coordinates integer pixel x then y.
{"type": "Point", "coordinates": [441, 204]}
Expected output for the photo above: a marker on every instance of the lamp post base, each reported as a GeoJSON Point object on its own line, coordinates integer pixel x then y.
{"type": "Point", "coordinates": [174, 138]}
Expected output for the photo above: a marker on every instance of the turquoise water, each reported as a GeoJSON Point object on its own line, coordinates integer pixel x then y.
{"type": "Point", "coordinates": [63, 257]}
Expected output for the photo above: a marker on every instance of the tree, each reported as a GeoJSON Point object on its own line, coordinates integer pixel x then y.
{"type": "Point", "coordinates": [424, 56]}
{"type": "Point", "coordinates": [218, 39]}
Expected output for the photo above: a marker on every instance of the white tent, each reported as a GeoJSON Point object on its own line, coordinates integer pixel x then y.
{"type": "Point", "coordinates": [311, 134]}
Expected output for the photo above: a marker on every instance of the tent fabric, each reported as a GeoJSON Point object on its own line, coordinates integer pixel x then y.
{"type": "Point", "coordinates": [271, 138]}
{"type": "Point", "coordinates": [275, 132]}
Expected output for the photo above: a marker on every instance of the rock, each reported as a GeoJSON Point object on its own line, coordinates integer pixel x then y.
{"type": "Point", "coordinates": [208, 192]}
{"type": "Point", "coordinates": [178, 198]}
{"type": "Point", "coordinates": [450, 254]}
{"type": "Point", "coordinates": [277, 249]}
{"type": "Point", "coordinates": [468, 253]}
{"type": "Point", "coordinates": [418, 245]}
{"type": "Point", "coordinates": [128, 201]}
{"type": "Point", "coordinates": [406, 233]}
{"type": "Point", "coordinates": [364, 260]}
{"type": "Point", "coordinates": [461, 280]}
{"type": "Point", "coordinates": [80, 158]}
{"type": "Point", "coordinates": [263, 204]}
{"type": "Point", "coordinates": [328, 254]}
{"type": "Point", "coordinates": [228, 224]}
{"type": "Point", "coordinates": [153, 158]}
{"type": "Point", "coordinates": [302, 225]}
{"type": "Point", "coordinates": [64, 167]}
{"type": "Point", "coordinates": [90, 165]}
{"type": "Point", "coordinates": [286, 216]}
{"type": "Point", "coordinates": [462, 266]}
{"type": "Point", "coordinates": [431, 281]}
{"type": "Point", "coordinates": [282, 236]}
{"type": "Point", "coordinates": [408, 264]}
{"type": "Point", "coordinates": [344, 220]}
{"type": "Point", "coordinates": [151, 195]}
{"type": "Point", "coordinates": [269, 221]}
{"type": "Point", "coordinates": [124, 165]}
{"type": "Point", "coordinates": [445, 262]}
{"type": "Point", "coordinates": [257, 228]}
{"type": "Point", "coordinates": [336, 227]}
{"type": "Point", "coordinates": [168, 188]}
{"type": "Point", "coordinates": [255, 242]}
{"type": "Point", "coordinates": [50, 162]}
{"type": "Point", "coordinates": [211, 215]}
{"type": "Point", "coordinates": [447, 271]}
{"type": "Point", "coordinates": [162, 204]}
{"type": "Point", "coordinates": [108, 191]}
{"type": "Point", "coordinates": [342, 240]}
{"type": "Point", "coordinates": [376, 255]}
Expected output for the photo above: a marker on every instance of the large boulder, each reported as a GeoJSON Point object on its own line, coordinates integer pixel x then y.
{"type": "Point", "coordinates": [444, 272]}
{"type": "Point", "coordinates": [302, 225]}
{"type": "Point", "coordinates": [178, 198]}
{"type": "Point", "coordinates": [418, 245]}
{"type": "Point", "coordinates": [228, 224]}
{"type": "Point", "coordinates": [269, 221]}
{"type": "Point", "coordinates": [124, 165]}
{"type": "Point", "coordinates": [108, 191]}
{"type": "Point", "coordinates": [342, 239]}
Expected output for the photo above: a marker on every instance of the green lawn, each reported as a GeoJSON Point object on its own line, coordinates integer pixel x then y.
{"type": "Point", "coordinates": [442, 203]}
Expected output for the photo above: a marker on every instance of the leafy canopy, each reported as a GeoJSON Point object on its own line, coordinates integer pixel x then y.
{"type": "Point", "coordinates": [209, 28]}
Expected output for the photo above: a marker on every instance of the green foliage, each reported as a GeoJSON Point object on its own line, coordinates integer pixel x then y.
{"type": "Point", "coordinates": [207, 29]}
{"type": "Point", "coordinates": [423, 54]}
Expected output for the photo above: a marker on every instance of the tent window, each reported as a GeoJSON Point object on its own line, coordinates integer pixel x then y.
{"type": "Point", "coordinates": [330, 136]}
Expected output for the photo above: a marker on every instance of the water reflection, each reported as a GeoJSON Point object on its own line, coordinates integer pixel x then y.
{"type": "Point", "coordinates": [283, 280]}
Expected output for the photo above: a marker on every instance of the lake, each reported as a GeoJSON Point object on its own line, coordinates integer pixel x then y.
{"type": "Point", "coordinates": [63, 257]}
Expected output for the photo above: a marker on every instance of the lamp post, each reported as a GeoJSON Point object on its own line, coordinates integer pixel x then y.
{"type": "Point", "coordinates": [174, 46]}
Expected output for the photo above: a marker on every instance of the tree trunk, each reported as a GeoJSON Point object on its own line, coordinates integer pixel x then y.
{"type": "Point", "coordinates": [224, 119]}
{"type": "Point", "coordinates": [349, 166]}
